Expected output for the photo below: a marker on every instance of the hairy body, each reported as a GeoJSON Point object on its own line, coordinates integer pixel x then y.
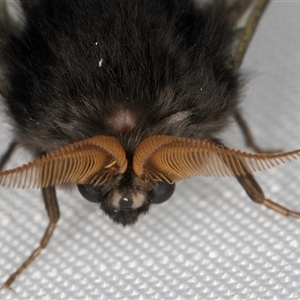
{"type": "Point", "coordinates": [128, 69]}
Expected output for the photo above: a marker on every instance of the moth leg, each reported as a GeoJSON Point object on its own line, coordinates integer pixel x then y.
{"type": "Point", "coordinates": [248, 136]}
{"type": "Point", "coordinates": [237, 10]}
{"type": "Point", "coordinates": [240, 52]}
{"type": "Point", "coordinates": [6, 156]}
{"type": "Point", "coordinates": [52, 208]}
{"type": "Point", "coordinates": [256, 194]}
{"type": "Point", "coordinates": [248, 32]}
{"type": "Point", "coordinates": [254, 191]}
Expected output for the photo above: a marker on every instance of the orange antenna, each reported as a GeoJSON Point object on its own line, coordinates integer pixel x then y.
{"type": "Point", "coordinates": [95, 160]}
{"type": "Point", "coordinates": [173, 158]}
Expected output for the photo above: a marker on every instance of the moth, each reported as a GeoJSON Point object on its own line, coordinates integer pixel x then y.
{"type": "Point", "coordinates": [124, 98]}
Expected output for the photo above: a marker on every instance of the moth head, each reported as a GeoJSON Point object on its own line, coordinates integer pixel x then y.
{"type": "Point", "coordinates": [125, 188]}
{"type": "Point", "coordinates": [129, 198]}
{"type": "Point", "coordinates": [126, 196]}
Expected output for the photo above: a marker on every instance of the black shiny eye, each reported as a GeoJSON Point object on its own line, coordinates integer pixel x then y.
{"type": "Point", "coordinates": [162, 192]}
{"type": "Point", "coordinates": [90, 192]}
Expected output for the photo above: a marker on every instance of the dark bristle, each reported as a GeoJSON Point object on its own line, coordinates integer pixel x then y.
{"type": "Point", "coordinates": [164, 61]}
{"type": "Point", "coordinates": [125, 217]}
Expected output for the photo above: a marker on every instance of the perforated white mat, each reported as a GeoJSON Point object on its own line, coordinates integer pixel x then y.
{"type": "Point", "coordinates": [209, 241]}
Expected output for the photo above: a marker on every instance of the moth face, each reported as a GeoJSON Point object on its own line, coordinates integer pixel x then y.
{"type": "Point", "coordinates": [125, 188]}
{"type": "Point", "coordinates": [128, 198]}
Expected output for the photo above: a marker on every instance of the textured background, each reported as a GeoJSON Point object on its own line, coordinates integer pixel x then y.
{"type": "Point", "coordinates": [209, 241]}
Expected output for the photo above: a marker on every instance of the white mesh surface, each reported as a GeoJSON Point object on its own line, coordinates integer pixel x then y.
{"type": "Point", "coordinates": [209, 241]}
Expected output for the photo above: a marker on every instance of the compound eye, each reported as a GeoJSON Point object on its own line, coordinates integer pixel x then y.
{"type": "Point", "coordinates": [162, 192]}
{"type": "Point", "coordinates": [90, 192]}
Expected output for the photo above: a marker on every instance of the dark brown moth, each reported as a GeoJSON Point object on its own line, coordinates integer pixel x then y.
{"type": "Point", "coordinates": [128, 104]}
